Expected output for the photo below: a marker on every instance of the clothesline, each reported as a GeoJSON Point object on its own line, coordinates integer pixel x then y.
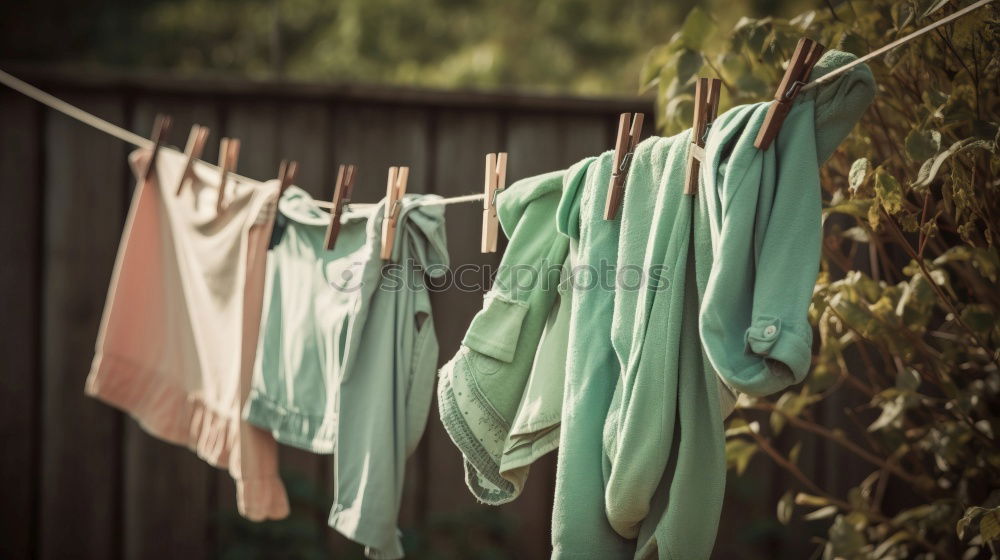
{"type": "Point", "coordinates": [894, 44]}
{"type": "Point", "coordinates": [132, 138]}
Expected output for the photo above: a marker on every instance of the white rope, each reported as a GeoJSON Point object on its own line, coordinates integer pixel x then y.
{"type": "Point", "coordinates": [452, 200]}
{"type": "Point", "coordinates": [122, 134]}
{"type": "Point", "coordinates": [428, 202]}
{"type": "Point", "coordinates": [894, 44]}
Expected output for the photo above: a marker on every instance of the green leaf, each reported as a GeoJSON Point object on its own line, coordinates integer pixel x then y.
{"type": "Point", "coordinates": [922, 144]}
{"type": "Point", "coordinates": [696, 29]}
{"type": "Point", "coordinates": [971, 515]}
{"type": "Point", "coordinates": [889, 191]}
{"type": "Point", "coordinates": [858, 173]}
{"type": "Point", "coordinates": [786, 505]}
{"type": "Point", "coordinates": [891, 412]}
{"type": "Point", "coordinates": [980, 318]}
{"type": "Point", "coordinates": [804, 499]}
{"type": "Point", "coordinates": [821, 513]}
{"type": "Point", "coordinates": [989, 525]}
{"type": "Point", "coordinates": [935, 6]}
{"type": "Point", "coordinates": [931, 167]}
{"type": "Point", "coordinates": [656, 59]}
{"type": "Point", "coordinates": [896, 538]}
{"type": "Point", "coordinates": [738, 454]}
{"type": "Point", "coordinates": [856, 208]}
{"type": "Point", "coordinates": [845, 540]}
{"type": "Point", "coordinates": [689, 62]}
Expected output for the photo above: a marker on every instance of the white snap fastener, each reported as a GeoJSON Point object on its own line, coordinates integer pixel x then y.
{"type": "Point", "coordinates": [770, 330]}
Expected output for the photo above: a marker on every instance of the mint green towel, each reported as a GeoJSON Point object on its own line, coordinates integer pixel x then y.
{"type": "Point", "coordinates": [580, 527]}
{"type": "Point", "coordinates": [663, 438]}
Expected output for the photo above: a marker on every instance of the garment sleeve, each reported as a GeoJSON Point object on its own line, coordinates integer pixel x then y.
{"type": "Point", "coordinates": [754, 318]}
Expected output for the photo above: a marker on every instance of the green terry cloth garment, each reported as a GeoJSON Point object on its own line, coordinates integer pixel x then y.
{"type": "Point", "coordinates": [663, 438]}
{"type": "Point", "coordinates": [481, 387]}
{"type": "Point", "coordinates": [580, 527]}
{"type": "Point", "coordinates": [316, 303]}
{"type": "Point", "coordinates": [764, 210]}
{"type": "Point", "coordinates": [385, 395]}
{"type": "Point", "coordinates": [663, 435]}
{"type": "Point", "coordinates": [535, 429]}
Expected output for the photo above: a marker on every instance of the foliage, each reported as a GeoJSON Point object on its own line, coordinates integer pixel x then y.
{"type": "Point", "coordinates": [905, 382]}
{"type": "Point", "coordinates": [585, 46]}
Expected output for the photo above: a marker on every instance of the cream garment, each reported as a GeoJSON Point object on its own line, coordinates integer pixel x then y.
{"type": "Point", "coordinates": [178, 337]}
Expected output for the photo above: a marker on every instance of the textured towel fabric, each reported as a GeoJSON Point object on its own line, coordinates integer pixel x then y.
{"type": "Point", "coordinates": [179, 330]}
{"type": "Point", "coordinates": [664, 457]}
{"type": "Point", "coordinates": [759, 248]}
{"type": "Point", "coordinates": [385, 394]}
{"type": "Point", "coordinates": [763, 210]}
{"type": "Point", "coordinates": [580, 527]}
{"type": "Point", "coordinates": [481, 387]}
{"type": "Point", "coordinates": [316, 304]}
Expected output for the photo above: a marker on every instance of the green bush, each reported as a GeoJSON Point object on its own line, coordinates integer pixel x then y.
{"type": "Point", "coordinates": [906, 374]}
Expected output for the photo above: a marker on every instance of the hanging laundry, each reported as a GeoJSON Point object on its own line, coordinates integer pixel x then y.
{"type": "Point", "coordinates": [179, 331]}
{"type": "Point", "coordinates": [580, 527]}
{"type": "Point", "coordinates": [481, 388]}
{"type": "Point", "coordinates": [387, 388]}
{"type": "Point", "coordinates": [315, 306]}
{"type": "Point", "coordinates": [663, 437]}
{"type": "Point", "coordinates": [763, 209]}
{"type": "Point", "coordinates": [535, 429]}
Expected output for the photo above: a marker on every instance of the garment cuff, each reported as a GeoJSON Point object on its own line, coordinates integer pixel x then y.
{"type": "Point", "coordinates": [786, 354]}
{"type": "Point", "coordinates": [351, 523]}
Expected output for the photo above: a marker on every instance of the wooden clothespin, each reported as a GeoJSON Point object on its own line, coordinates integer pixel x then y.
{"type": "Point", "coordinates": [195, 145]}
{"type": "Point", "coordinates": [341, 195]}
{"type": "Point", "coordinates": [627, 140]}
{"type": "Point", "coordinates": [161, 128]}
{"type": "Point", "coordinates": [286, 175]}
{"type": "Point", "coordinates": [706, 106]}
{"type": "Point", "coordinates": [394, 190]}
{"type": "Point", "coordinates": [495, 181]}
{"type": "Point", "coordinates": [229, 152]}
{"type": "Point", "coordinates": [807, 54]}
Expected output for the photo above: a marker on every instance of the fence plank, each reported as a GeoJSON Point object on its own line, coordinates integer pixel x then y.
{"type": "Point", "coordinates": [80, 438]}
{"type": "Point", "coordinates": [20, 225]}
{"type": "Point", "coordinates": [462, 141]}
{"type": "Point", "coordinates": [299, 134]}
{"type": "Point", "coordinates": [303, 135]}
{"type": "Point", "coordinates": [377, 137]}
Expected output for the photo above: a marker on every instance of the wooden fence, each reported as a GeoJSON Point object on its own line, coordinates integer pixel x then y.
{"type": "Point", "coordinates": [81, 480]}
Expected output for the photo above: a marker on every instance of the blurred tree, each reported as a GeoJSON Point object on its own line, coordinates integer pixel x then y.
{"type": "Point", "coordinates": [581, 46]}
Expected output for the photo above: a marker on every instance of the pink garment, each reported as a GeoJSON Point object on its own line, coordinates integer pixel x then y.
{"type": "Point", "coordinates": [179, 333]}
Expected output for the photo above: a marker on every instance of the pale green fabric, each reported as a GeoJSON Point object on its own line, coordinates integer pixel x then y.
{"type": "Point", "coordinates": [763, 210]}
{"type": "Point", "coordinates": [481, 387]}
{"type": "Point", "coordinates": [580, 527]}
{"type": "Point", "coordinates": [535, 429]}
{"type": "Point", "coordinates": [315, 305]}
{"type": "Point", "coordinates": [747, 241]}
{"type": "Point", "coordinates": [386, 393]}
{"type": "Point", "coordinates": [347, 354]}
{"type": "Point", "coordinates": [663, 442]}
